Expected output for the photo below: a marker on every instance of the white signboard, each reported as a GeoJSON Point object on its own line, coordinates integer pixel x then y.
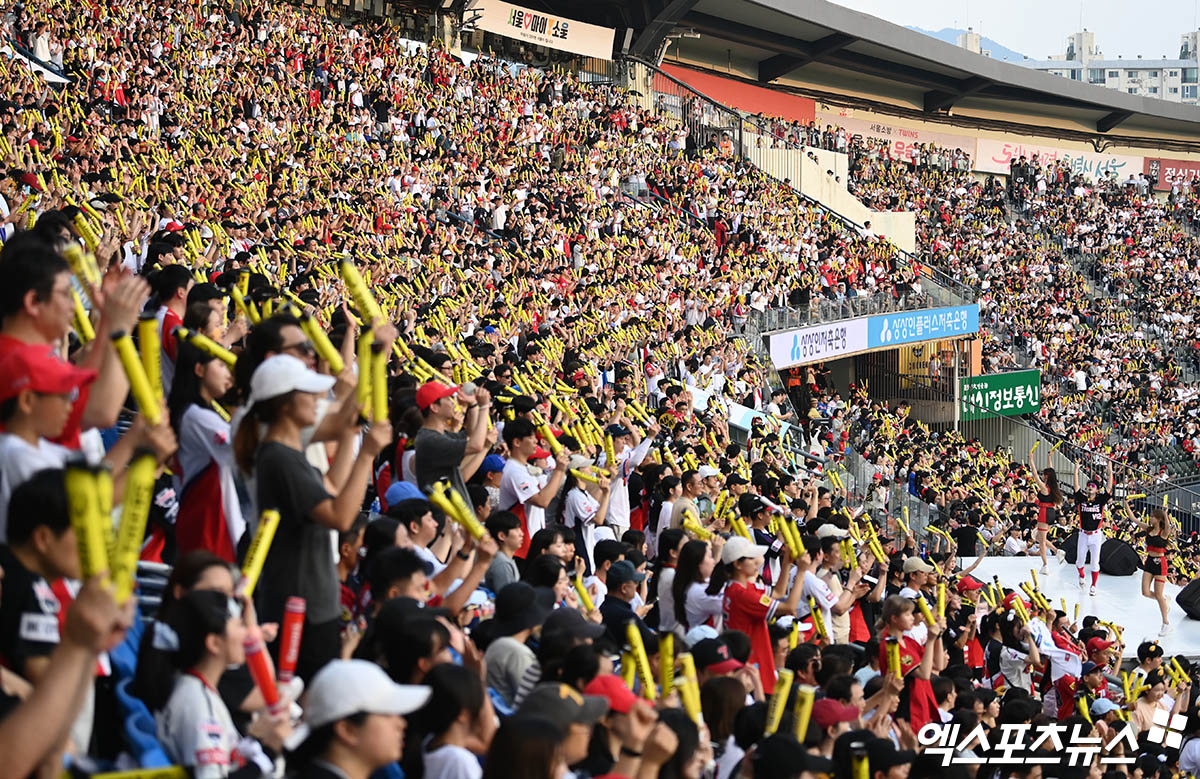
{"type": "Point", "coordinates": [994, 156]}
{"type": "Point", "coordinates": [819, 342]}
{"type": "Point", "coordinates": [524, 24]}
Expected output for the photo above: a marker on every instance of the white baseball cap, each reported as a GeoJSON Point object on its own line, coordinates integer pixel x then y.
{"type": "Point", "coordinates": [706, 471]}
{"type": "Point", "coordinates": [830, 529]}
{"type": "Point", "coordinates": [280, 374]}
{"type": "Point", "coordinates": [738, 547]}
{"type": "Point", "coordinates": [346, 687]}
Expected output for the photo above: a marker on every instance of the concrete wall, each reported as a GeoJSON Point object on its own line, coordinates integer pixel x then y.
{"type": "Point", "coordinates": [813, 180]}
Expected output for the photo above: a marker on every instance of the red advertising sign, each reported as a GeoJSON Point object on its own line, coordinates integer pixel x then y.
{"type": "Point", "coordinates": [739, 94]}
{"type": "Point", "coordinates": [1169, 171]}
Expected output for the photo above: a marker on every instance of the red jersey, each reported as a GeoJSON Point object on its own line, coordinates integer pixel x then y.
{"type": "Point", "coordinates": [747, 608]}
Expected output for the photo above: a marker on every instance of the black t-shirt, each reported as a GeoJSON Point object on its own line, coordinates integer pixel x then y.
{"type": "Point", "coordinates": [301, 558]}
{"type": "Point", "coordinates": [1091, 511]}
{"type": "Point", "coordinates": [28, 614]}
{"type": "Point", "coordinates": [965, 538]}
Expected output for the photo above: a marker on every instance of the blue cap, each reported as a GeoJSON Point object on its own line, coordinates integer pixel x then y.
{"type": "Point", "coordinates": [489, 330]}
{"type": "Point", "coordinates": [401, 491]}
{"type": "Point", "coordinates": [1087, 668]}
{"type": "Point", "coordinates": [493, 463]}
{"type": "Point", "coordinates": [1102, 706]}
{"type": "Point", "coordinates": [616, 431]}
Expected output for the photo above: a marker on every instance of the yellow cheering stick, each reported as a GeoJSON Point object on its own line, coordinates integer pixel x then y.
{"type": "Point", "coordinates": [364, 395]}
{"type": "Point", "coordinates": [91, 525]}
{"type": "Point", "coordinates": [247, 307]}
{"type": "Point", "coordinates": [941, 599]}
{"type": "Point", "coordinates": [666, 663]}
{"type": "Point", "coordinates": [83, 265]}
{"type": "Point", "coordinates": [364, 301]}
{"type": "Point", "coordinates": [893, 655]}
{"type": "Point", "coordinates": [150, 351]}
{"type": "Point", "coordinates": [585, 599]}
{"type": "Point", "coordinates": [149, 405]}
{"type": "Point", "coordinates": [739, 527]}
{"type": "Point", "coordinates": [584, 476]}
{"type": "Point", "coordinates": [252, 567]}
{"type": "Point", "coordinates": [689, 691]}
{"type": "Point", "coordinates": [638, 648]}
{"type": "Point", "coordinates": [460, 512]}
{"type": "Point", "coordinates": [207, 345]}
{"type": "Point", "coordinates": [628, 669]}
{"type": "Point", "coordinates": [926, 612]}
{"type": "Point", "coordinates": [83, 325]}
{"type": "Point", "coordinates": [135, 509]}
{"type": "Point", "coordinates": [779, 697]}
{"type": "Point", "coordinates": [794, 634]}
{"type": "Point", "coordinates": [610, 455]}
{"type": "Point", "coordinates": [322, 345]}
{"type": "Point", "coordinates": [691, 525]}
{"type": "Point", "coordinates": [818, 618]}
{"type": "Point", "coordinates": [379, 383]}
{"type": "Point", "coordinates": [802, 709]}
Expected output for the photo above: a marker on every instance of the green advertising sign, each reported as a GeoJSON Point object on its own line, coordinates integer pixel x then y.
{"type": "Point", "coordinates": [1006, 394]}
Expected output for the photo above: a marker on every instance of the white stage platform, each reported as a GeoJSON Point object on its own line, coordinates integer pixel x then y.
{"type": "Point", "coordinates": [1118, 599]}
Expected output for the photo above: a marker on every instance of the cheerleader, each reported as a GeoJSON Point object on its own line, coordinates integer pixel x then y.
{"type": "Point", "coordinates": [1159, 533]}
{"type": "Point", "coordinates": [1091, 505]}
{"type": "Point", "coordinates": [1049, 498]}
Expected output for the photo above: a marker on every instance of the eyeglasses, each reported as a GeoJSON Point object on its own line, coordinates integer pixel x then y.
{"type": "Point", "coordinates": [303, 348]}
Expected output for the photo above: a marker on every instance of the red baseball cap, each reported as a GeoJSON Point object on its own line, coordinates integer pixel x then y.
{"type": "Point", "coordinates": [969, 583]}
{"type": "Point", "coordinates": [431, 392]}
{"type": "Point", "coordinates": [1098, 644]}
{"type": "Point", "coordinates": [540, 454]}
{"type": "Point", "coordinates": [620, 698]}
{"type": "Point", "coordinates": [828, 712]}
{"type": "Point", "coordinates": [37, 367]}
{"type": "Point", "coordinates": [1012, 596]}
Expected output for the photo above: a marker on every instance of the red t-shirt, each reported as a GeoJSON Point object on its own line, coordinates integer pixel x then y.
{"type": "Point", "coordinates": [70, 433]}
{"type": "Point", "coordinates": [747, 608]}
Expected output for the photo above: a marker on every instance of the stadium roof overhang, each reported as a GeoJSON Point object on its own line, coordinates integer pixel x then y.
{"type": "Point", "coordinates": [824, 46]}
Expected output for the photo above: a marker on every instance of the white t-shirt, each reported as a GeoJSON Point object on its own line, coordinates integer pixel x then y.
{"type": "Point", "coordinates": [819, 591]}
{"type": "Point", "coordinates": [666, 600]}
{"type": "Point", "coordinates": [580, 511]}
{"type": "Point", "coordinates": [19, 461]}
{"type": "Point", "coordinates": [702, 607]}
{"type": "Point", "coordinates": [518, 485]}
{"type": "Point", "coordinates": [452, 762]}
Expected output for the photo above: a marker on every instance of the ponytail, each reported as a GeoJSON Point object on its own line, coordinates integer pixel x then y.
{"type": "Point", "coordinates": [247, 438]}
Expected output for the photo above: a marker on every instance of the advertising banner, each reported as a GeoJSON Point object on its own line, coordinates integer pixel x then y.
{"type": "Point", "coordinates": [1006, 394]}
{"type": "Point", "coordinates": [852, 336]}
{"type": "Point", "coordinates": [1167, 172]}
{"type": "Point", "coordinates": [819, 342]}
{"type": "Point", "coordinates": [902, 139]}
{"type": "Point", "coordinates": [907, 327]}
{"type": "Point", "coordinates": [995, 156]}
{"type": "Point", "coordinates": [513, 21]}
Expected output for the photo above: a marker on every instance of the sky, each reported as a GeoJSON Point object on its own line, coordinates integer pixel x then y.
{"type": "Point", "coordinates": [1037, 28]}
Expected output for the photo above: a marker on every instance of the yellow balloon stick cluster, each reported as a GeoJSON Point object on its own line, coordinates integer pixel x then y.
{"type": "Point", "coordinates": [148, 402]}
{"type": "Point", "coordinates": [455, 507]}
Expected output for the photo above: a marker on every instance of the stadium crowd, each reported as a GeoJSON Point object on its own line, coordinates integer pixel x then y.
{"type": "Point", "coordinates": [408, 416]}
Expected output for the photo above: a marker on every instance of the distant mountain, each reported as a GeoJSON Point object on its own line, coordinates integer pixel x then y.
{"type": "Point", "coordinates": [950, 35]}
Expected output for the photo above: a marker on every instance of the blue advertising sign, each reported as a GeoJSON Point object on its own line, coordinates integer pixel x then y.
{"type": "Point", "coordinates": [905, 327]}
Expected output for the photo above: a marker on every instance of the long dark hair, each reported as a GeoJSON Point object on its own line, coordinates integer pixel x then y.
{"type": "Point", "coordinates": [248, 437]}
{"type": "Point", "coordinates": [453, 689]}
{"type": "Point", "coordinates": [185, 387]}
{"type": "Point", "coordinates": [151, 680]}
{"type": "Point", "coordinates": [1050, 478]}
{"type": "Point", "coordinates": [687, 573]}
{"type": "Point", "coordinates": [265, 338]}
{"type": "Point", "coordinates": [689, 741]}
{"type": "Point", "coordinates": [527, 747]}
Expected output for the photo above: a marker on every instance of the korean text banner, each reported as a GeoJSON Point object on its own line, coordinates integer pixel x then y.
{"type": "Point", "coordinates": [1006, 394]}
{"type": "Point", "coordinates": [819, 342]}
{"type": "Point", "coordinates": [995, 156]}
{"type": "Point", "coordinates": [906, 327]}
{"type": "Point", "coordinates": [535, 27]}
{"type": "Point", "coordinates": [1167, 172]}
